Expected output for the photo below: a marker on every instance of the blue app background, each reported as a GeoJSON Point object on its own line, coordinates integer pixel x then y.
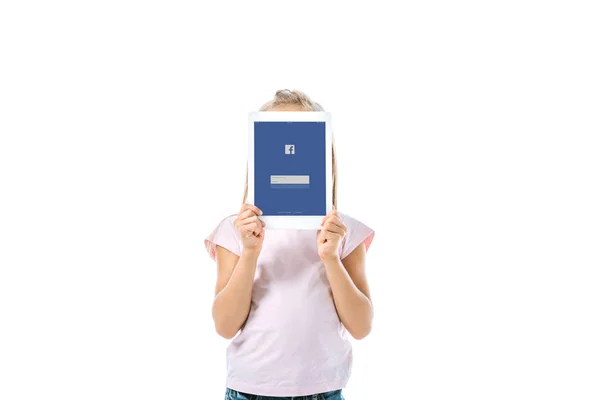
{"type": "Point", "coordinates": [270, 158]}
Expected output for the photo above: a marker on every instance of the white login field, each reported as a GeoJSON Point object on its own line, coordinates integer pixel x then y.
{"type": "Point", "coordinates": [290, 179]}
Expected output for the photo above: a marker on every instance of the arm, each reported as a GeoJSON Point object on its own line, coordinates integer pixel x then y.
{"type": "Point", "coordinates": [233, 293]}
{"type": "Point", "coordinates": [235, 275]}
{"type": "Point", "coordinates": [350, 291]}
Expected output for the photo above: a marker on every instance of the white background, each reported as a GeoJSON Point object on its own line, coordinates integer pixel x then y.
{"type": "Point", "coordinates": [467, 135]}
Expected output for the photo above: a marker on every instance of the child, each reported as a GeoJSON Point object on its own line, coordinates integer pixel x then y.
{"type": "Point", "coordinates": [292, 295]}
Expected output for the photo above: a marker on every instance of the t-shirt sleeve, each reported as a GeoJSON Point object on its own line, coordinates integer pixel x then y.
{"type": "Point", "coordinates": [224, 235]}
{"type": "Point", "coordinates": [356, 233]}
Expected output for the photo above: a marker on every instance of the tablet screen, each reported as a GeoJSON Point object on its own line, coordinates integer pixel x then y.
{"type": "Point", "coordinates": [289, 167]}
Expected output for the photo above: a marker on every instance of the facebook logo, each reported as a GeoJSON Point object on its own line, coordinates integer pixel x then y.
{"type": "Point", "coordinates": [290, 149]}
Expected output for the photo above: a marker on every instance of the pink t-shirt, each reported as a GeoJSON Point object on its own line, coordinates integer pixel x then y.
{"type": "Point", "coordinates": [293, 343]}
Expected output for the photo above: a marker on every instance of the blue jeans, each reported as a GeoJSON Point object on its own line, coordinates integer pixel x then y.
{"type": "Point", "coordinates": [231, 394]}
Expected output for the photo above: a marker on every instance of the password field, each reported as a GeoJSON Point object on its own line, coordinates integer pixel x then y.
{"type": "Point", "coordinates": [290, 181]}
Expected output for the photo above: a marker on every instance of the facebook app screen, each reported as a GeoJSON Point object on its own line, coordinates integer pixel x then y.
{"type": "Point", "coordinates": [289, 167]}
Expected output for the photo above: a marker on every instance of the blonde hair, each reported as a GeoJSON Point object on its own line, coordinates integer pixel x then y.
{"type": "Point", "coordinates": [296, 97]}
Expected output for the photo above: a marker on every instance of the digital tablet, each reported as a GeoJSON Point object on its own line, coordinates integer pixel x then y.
{"type": "Point", "coordinates": [290, 167]}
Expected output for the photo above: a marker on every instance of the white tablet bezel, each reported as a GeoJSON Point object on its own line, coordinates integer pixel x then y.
{"type": "Point", "coordinates": [297, 221]}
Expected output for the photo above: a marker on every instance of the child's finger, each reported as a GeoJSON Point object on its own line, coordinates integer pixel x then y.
{"type": "Point", "coordinates": [251, 224]}
{"type": "Point", "coordinates": [331, 213]}
{"type": "Point", "coordinates": [334, 229]}
{"type": "Point", "coordinates": [248, 220]}
{"type": "Point", "coordinates": [337, 222]}
{"type": "Point", "coordinates": [331, 236]}
{"type": "Point", "coordinates": [320, 236]}
{"type": "Point", "coordinates": [246, 213]}
{"type": "Point", "coordinates": [252, 208]}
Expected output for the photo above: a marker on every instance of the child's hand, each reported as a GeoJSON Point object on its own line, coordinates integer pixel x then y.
{"type": "Point", "coordinates": [330, 236]}
{"type": "Point", "coordinates": [250, 227]}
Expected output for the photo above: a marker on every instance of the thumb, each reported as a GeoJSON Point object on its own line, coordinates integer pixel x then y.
{"type": "Point", "coordinates": [320, 237]}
